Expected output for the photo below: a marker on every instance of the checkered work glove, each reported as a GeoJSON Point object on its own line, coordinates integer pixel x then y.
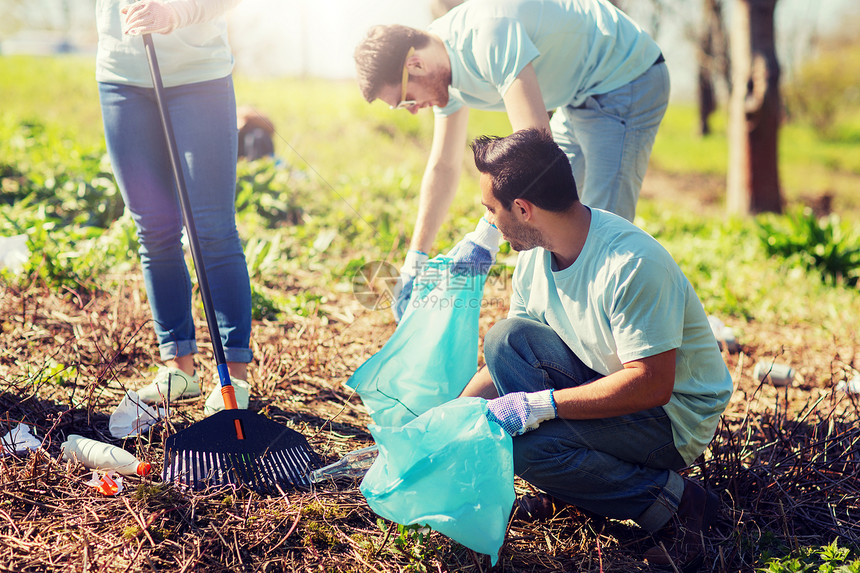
{"type": "Point", "coordinates": [476, 253]}
{"type": "Point", "coordinates": [157, 16]}
{"type": "Point", "coordinates": [520, 412]}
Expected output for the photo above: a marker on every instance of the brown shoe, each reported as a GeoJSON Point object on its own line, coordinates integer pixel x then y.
{"type": "Point", "coordinates": [683, 537]}
{"type": "Point", "coordinates": [529, 508]}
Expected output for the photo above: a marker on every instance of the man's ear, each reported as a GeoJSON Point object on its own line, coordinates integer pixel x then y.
{"type": "Point", "coordinates": [523, 208]}
{"type": "Point", "coordinates": [416, 65]}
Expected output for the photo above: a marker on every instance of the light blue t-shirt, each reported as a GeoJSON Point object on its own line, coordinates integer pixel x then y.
{"type": "Point", "coordinates": [624, 299]}
{"type": "Point", "coordinates": [195, 53]}
{"type": "Point", "coordinates": [578, 48]}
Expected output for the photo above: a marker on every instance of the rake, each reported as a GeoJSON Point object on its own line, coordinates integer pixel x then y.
{"type": "Point", "coordinates": [233, 446]}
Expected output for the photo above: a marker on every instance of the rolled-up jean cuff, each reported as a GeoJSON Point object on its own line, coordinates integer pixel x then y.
{"type": "Point", "coordinates": [665, 506]}
{"type": "Point", "coordinates": [242, 355]}
{"type": "Point", "coordinates": [176, 348]}
{"type": "Point", "coordinates": [173, 350]}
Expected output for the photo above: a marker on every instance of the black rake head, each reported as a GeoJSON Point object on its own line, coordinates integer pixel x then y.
{"type": "Point", "coordinates": [239, 447]}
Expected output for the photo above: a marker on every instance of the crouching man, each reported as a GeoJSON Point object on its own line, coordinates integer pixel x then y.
{"type": "Point", "coordinates": [606, 370]}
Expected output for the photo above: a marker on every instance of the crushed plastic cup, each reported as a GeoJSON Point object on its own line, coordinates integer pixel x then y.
{"type": "Point", "coordinates": [774, 372]}
{"type": "Point", "coordinates": [18, 440]}
{"type": "Point", "coordinates": [132, 417]}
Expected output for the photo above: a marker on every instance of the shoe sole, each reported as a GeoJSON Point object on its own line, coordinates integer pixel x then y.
{"type": "Point", "coordinates": [180, 398]}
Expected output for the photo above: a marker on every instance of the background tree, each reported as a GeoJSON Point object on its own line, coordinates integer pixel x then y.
{"type": "Point", "coordinates": [712, 59]}
{"type": "Point", "coordinates": [755, 110]}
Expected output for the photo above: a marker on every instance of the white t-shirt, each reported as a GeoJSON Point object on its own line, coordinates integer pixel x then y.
{"type": "Point", "coordinates": [624, 299]}
{"type": "Point", "coordinates": [195, 53]}
{"type": "Point", "coordinates": [578, 48]}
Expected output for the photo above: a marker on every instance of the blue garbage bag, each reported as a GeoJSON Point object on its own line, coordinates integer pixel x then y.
{"type": "Point", "coordinates": [450, 469]}
{"type": "Point", "coordinates": [434, 351]}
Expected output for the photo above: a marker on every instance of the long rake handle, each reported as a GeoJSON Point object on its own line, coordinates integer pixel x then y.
{"type": "Point", "coordinates": [227, 391]}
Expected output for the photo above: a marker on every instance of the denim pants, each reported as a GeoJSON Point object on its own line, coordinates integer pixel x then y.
{"type": "Point", "coordinates": [204, 123]}
{"type": "Point", "coordinates": [608, 140]}
{"type": "Point", "coordinates": [620, 467]}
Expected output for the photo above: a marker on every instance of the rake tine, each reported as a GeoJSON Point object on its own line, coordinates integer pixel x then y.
{"type": "Point", "coordinates": [208, 467]}
{"type": "Point", "coordinates": [283, 467]}
{"type": "Point", "coordinates": [186, 469]}
{"type": "Point", "coordinates": [271, 468]}
{"type": "Point", "coordinates": [253, 477]}
{"type": "Point", "coordinates": [292, 467]}
{"type": "Point", "coordinates": [297, 476]}
{"type": "Point", "coordinates": [274, 470]}
{"type": "Point", "coordinates": [192, 475]}
{"type": "Point", "coordinates": [214, 472]}
{"type": "Point", "coordinates": [232, 465]}
{"type": "Point", "coordinates": [283, 458]}
{"type": "Point", "coordinates": [307, 466]}
{"type": "Point", "coordinates": [202, 471]}
{"type": "Point", "coordinates": [243, 473]}
{"type": "Point", "coordinates": [221, 472]}
{"type": "Point", "coordinates": [247, 476]}
{"type": "Point", "coordinates": [197, 473]}
{"type": "Point", "coordinates": [180, 469]}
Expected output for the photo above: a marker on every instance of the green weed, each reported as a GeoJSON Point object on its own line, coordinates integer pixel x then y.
{"type": "Point", "coordinates": [825, 559]}
{"type": "Point", "coordinates": [820, 244]}
{"type": "Point", "coordinates": [413, 542]}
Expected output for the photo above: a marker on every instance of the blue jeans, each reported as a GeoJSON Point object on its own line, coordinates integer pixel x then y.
{"type": "Point", "coordinates": [608, 140]}
{"type": "Point", "coordinates": [204, 121]}
{"type": "Point", "coordinates": [621, 467]}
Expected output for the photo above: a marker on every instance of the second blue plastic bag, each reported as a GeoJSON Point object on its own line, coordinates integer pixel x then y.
{"type": "Point", "coordinates": [450, 469]}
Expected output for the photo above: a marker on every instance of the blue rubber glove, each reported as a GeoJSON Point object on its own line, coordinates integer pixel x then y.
{"type": "Point", "coordinates": [520, 412]}
{"type": "Point", "coordinates": [415, 261]}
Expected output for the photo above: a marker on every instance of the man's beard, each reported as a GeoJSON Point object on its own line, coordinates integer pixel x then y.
{"type": "Point", "coordinates": [438, 83]}
{"type": "Point", "coordinates": [523, 238]}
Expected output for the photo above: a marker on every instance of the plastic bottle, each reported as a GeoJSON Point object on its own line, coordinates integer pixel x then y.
{"type": "Point", "coordinates": [353, 465]}
{"type": "Point", "coordinates": [773, 372]}
{"type": "Point", "coordinates": [99, 455]}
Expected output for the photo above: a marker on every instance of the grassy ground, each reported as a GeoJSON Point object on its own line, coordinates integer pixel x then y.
{"type": "Point", "coordinates": [785, 460]}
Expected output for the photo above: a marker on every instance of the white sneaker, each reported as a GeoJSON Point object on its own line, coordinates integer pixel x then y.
{"type": "Point", "coordinates": [215, 401]}
{"type": "Point", "coordinates": [170, 383]}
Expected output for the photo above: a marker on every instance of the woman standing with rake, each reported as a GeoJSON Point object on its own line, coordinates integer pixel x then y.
{"type": "Point", "coordinates": [196, 66]}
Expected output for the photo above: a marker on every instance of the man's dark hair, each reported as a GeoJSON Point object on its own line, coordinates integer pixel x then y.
{"type": "Point", "coordinates": [379, 58]}
{"type": "Point", "coordinates": [529, 165]}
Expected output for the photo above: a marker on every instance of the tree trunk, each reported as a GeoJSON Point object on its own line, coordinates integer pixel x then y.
{"type": "Point", "coordinates": [712, 61]}
{"type": "Point", "coordinates": [755, 111]}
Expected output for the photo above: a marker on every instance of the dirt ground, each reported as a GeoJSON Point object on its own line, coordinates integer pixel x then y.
{"type": "Point", "coordinates": [780, 461]}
